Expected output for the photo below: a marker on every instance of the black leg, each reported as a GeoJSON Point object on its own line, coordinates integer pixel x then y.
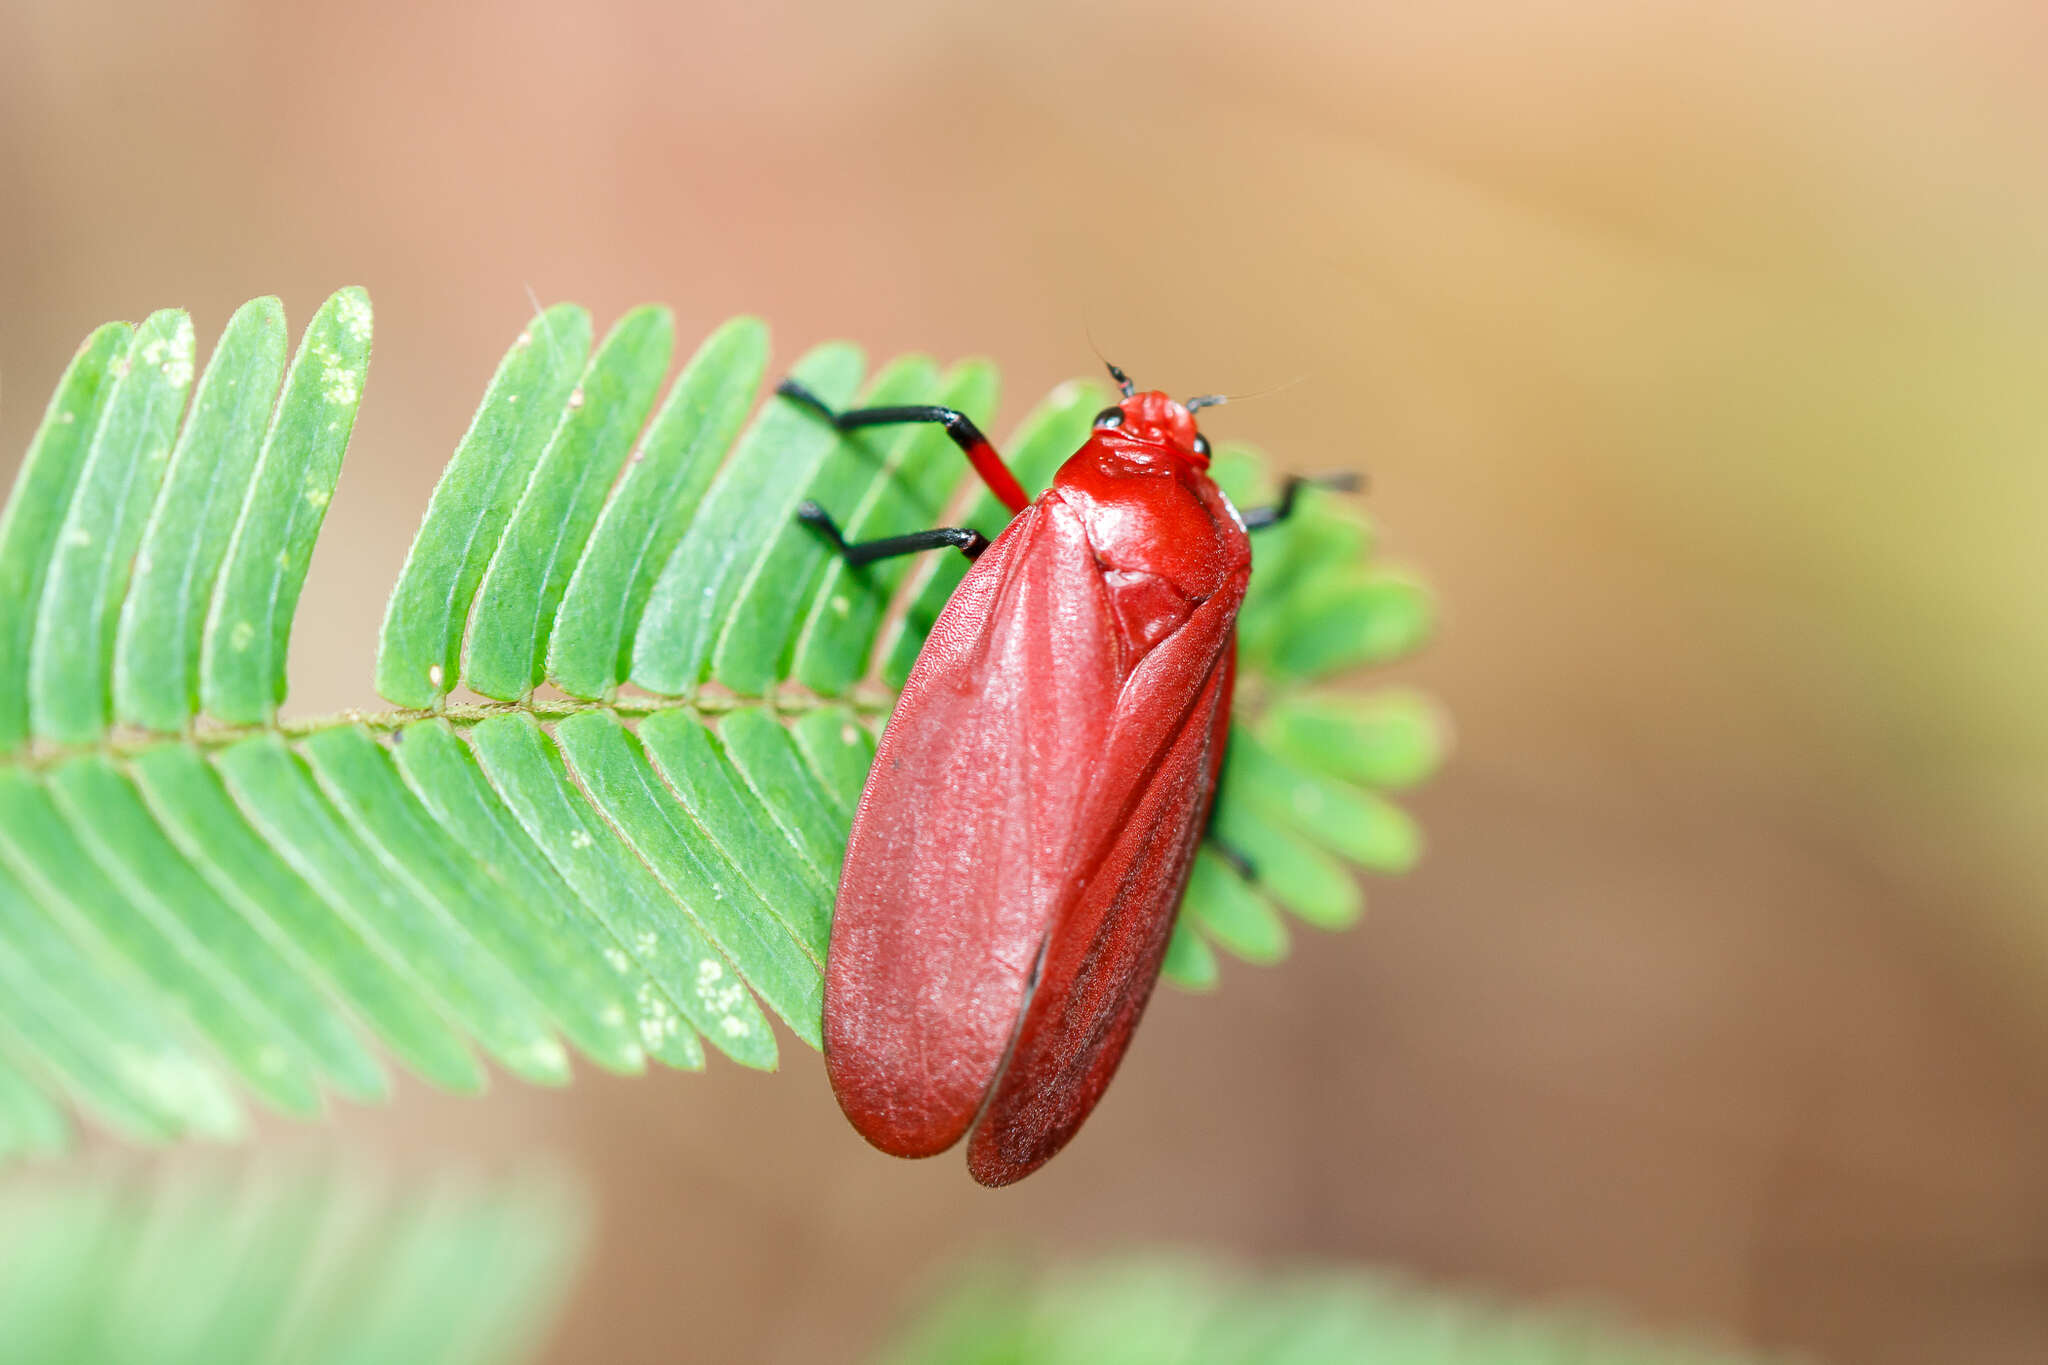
{"type": "Point", "coordinates": [1232, 857]}
{"type": "Point", "coordinates": [967, 541]}
{"type": "Point", "coordinates": [958, 425]}
{"type": "Point", "coordinates": [1345, 481]}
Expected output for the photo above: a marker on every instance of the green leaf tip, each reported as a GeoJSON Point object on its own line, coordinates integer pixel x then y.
{"type": "Point", "coordinates": [591, 649]}
{"type": "Point", "coordinates": [419, 655]}
{"type": "Point", "coordinates": [93, 555]}
{"type": "Point", "coordinates": [162, 622]}
{"type": "Point", "coordinates": [248, 625]}
{"type": "Point", "coordinates": [523, 585]}
{"type": "Point", "coordinates": [37, 507]}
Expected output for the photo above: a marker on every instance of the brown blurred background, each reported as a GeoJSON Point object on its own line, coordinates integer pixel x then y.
{"type": "Point", "coordinates": [1697, 352]}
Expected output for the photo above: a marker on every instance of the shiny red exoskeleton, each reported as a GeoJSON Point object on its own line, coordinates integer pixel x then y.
{"type": "Point", "coordinates": [1035, 804]}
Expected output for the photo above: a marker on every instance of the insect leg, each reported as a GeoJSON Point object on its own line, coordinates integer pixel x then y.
{"type": "Point", "coordinates": [1233, 856]}
{"type": "Point", "coordinates": [967, 541]}
{"type": "Point", "coordinates": [1344, 481]}
{"type": "Point", "coordinates": [958, 425]}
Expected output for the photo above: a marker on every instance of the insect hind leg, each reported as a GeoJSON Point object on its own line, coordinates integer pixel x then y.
{"type": "Point", "coordinates": [1343, 480]}
{"type": "Point", "coordinates": [959, 426]}
{"type": "Point", "coordinates": [1235, 858]}
{"type": "Point", "coordinates": [965, 539]}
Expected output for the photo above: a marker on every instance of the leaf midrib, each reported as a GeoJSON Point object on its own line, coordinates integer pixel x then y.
{"type": "Point", "coordinates": [207, 736]}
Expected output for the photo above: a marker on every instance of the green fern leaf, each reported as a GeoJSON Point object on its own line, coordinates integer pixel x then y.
{"type": "Point", "coordinates": [1183, 1310]}
{"type": "Point", "coordinates": [94, 551]}
{"type": "Point", "coordinates": [429, 609]}
{"type": "Point", "coordinates": [638, 705]}
{"type": "Point", "coordinates": [331, 946]}
{"type": "Point", "coordinates": [740, 524]}
{"type": "Point", "coordinates": [197, 1270]}
{"type": "Point", "coordinates": [34, 515]}
{"type": "Point", "coordinates": [156, 654]}
{"type": "Point", "coordinates": [515, 606]}
{"type": "Point", "coordinates": [248, 628]}
{"type": "Point", "coordinates": [592, 647]}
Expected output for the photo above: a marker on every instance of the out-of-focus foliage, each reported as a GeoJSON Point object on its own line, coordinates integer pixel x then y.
{"type": "Point", "coordinates": [627, 838]}
{"type": "Point", "coordinates": [195, 1270]}
{"type": "Point", "coordinates": [1178, 1310]}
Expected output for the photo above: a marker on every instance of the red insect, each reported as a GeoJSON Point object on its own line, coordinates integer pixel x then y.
{"type": "Point", "coordinates": [1039, 792]}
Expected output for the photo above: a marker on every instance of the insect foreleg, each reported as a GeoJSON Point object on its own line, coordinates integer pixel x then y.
{"type": "Point", "coordinates": [958, 425]}
{"type": "Point", "coordinates": [1345, 481]}
{"type": "Point", "coordinates": [965, 539]}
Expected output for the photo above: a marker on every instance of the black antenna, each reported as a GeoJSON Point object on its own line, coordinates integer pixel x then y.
{"type": "Point", "coordinates": [1123, 381]}
{"type": "Point", "coordinates": [1207, 400]}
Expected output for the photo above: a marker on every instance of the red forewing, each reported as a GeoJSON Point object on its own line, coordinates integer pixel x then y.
{"type": "Point", "coordinates": [1104, 949]}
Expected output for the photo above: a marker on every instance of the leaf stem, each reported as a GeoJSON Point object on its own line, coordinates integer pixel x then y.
{"type": "Point", "coordinates": [869, 702]}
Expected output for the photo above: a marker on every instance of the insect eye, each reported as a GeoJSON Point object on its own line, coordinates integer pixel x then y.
{"type": "Point", "coordinates": [1110, 417]}
{"type": "Point", "coordinates": [1202, 446]}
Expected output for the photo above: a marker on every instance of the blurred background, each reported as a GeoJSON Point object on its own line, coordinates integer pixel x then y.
{"type": "Point", "coordinates": [1698, 354]}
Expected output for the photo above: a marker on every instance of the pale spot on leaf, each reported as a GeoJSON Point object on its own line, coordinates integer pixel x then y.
{"type": "Point", "coordinates": [343, 386]}
{"type": "Point", "coordinates": [354, 312]}
{"type": "Point", "coordinates": [546, 1052]}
